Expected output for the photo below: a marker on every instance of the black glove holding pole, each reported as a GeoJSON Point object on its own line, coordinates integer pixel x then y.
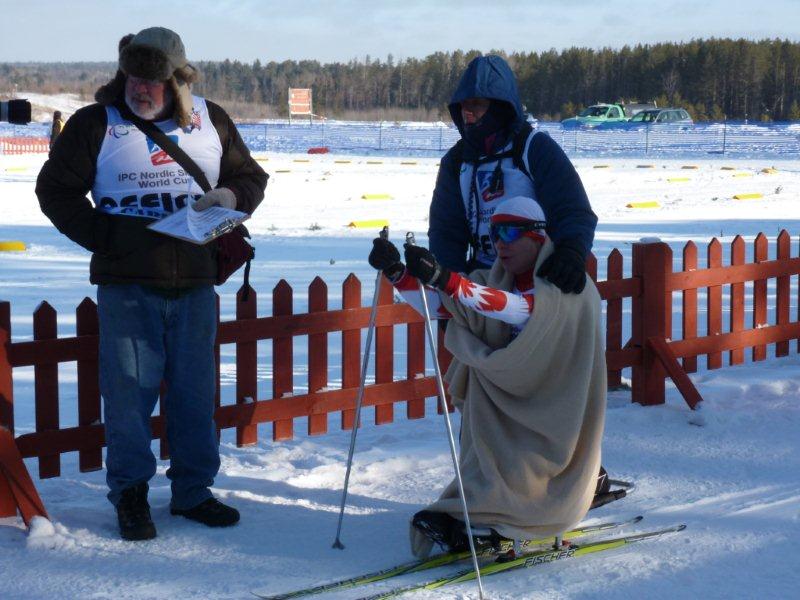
{"type": "Point", "coordinates": [422, 264]}
{"type": "Point", "coordinates": [386, 257]}
{"type": "Point", "coordinates": [566, 267]}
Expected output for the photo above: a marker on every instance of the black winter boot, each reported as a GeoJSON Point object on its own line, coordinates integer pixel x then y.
{"type": "Point", "coordinates": [603, 482]}
{"type": "Point", "coordinates": [441, 528]}
{"type": "Point", "coordinates": [133, 514]}
{"type": "Point", "coordinates": [211, 512]}
{"type": "Point", "coordinates": [604, 494]}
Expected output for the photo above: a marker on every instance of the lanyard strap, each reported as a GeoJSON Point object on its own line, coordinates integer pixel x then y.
{"type": "Point", "coordinates": [167, 145]}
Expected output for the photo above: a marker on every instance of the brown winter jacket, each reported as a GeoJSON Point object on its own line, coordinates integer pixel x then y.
{"type": "Point", "coordinates": [124, 250]}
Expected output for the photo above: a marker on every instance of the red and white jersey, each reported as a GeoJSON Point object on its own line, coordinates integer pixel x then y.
{"type": "Point", "coordinates": [514, 308]}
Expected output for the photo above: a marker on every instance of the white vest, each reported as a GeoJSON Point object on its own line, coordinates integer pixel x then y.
{"type": "Point", "coordinates": [515, 183]}
{"type": "Point", "coordinates": [137, 178]}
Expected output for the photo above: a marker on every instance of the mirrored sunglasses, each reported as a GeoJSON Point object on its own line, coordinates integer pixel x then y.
{"type": "Point", "coordinates": [511, 233]}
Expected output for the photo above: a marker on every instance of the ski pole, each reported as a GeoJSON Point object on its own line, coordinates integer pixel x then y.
{"type": "Point", "coordinates": [443, 403]}
{"type": "Point", "coordinates": [364, 364]}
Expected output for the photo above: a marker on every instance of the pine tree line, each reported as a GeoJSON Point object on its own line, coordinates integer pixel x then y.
{"type": "Point", "coordinates": [713, 79]}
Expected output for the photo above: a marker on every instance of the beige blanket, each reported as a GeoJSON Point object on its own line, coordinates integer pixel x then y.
{"type": "Point", "coordinates": [533, 411]}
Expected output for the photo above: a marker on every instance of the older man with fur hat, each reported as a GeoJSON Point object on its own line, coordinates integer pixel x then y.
{"type": "Point", "coordinates": [155, 298]}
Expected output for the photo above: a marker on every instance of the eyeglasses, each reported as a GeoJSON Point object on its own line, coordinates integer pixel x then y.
{"type": "Point", "coordinates": [140, 81]}
{"type": "Point", "coordinates": [509, 233]}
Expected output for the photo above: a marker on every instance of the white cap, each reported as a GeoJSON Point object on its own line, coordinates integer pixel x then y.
{"type": "Point", "coordinates": [518, 208]}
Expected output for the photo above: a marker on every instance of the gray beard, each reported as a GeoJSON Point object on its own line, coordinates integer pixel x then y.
{"type": "Point", "coordinates": [154, 114]}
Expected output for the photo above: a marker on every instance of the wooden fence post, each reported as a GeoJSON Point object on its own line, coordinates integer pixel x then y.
{"type": "Point", "coordinates": [282, 359]}
{"type": "Point", "coordinates": [652, 317]}
{"type": "Point", "coordinates": [16, 487]}
{"type": "Point", "coordinates": [8, 507]}
{"type": "Point", "coordinates": [760, 247]}
{"type": "Point", "coordinates": [714, 303]}
{"type": "Point", "coordinates": [737, 299]}
{"type": "Point", "coordinates": [217, 366]}
{"type": "Point", "coordinates": [782, 292]}
{"type": "Point", "coordinates": [45, 385]}
{"type": "Point", "coordinates": [384, 353]}
{"type": "Point", "coordinates": [614, 317]}
{"type": "Point", "coordinates": [689, 305]}
{"type": "Point", "coordinates": [6, 380]}
{"type": "Point", "coordinates": [351, 346]}
{"type": "Point", "coordinates": [246, 364]}
{"type": "Point", "coordinates": [88, 384]}
{"type": "Point", "coordinates": [415, 365]}
{"type": "Point", "coordinates": [317, 354]}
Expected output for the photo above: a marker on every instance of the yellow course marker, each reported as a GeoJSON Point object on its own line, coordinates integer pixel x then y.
{"type": "Point", "coordinates": [343, 162]}
{"type": "Point", "coordinates": [678, 179]}
{"type": "Point", "coordinates": [376, 196]}
{"type": "Point", "coordinates": [408, 162]}
{"type": "Point", "coordinates": [648, 204]}
{"type": "Point", "coordinates": [770, 171]}
{"type": "Point", "coordinates": [12, 246]}
{"type": "Point", "coordinates": [690, 167]}
{"type": "Point", "coordinates": [748, 196]}
{"type": "Point", "coordinates": [600, 167]}
{"type": "Point", "coordinates": [727, 168]}
{"type": "Point", "coordinates": [260, 159]}
{"type": "Point", "coordinates": [645, 166]}
{"type": "Point", "coordinates": [742, 175]}
{"type": "Point", "coordinates": [283, 170]}
{"type": "Point", "coordinates": [374, 162]}
{"type": "Point", "coordinates": [16, 169]}
{"type": "Point", "coordinates": [303, 160]}
{"type": "Point", "coordinates": [372, 223]}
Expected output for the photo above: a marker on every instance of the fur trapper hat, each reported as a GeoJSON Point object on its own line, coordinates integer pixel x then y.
{"type": "Point", "coordinates": [154, 53]}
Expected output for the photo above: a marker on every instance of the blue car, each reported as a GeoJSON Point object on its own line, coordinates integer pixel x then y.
{"type": "Point", "coordinates": [653, 116]}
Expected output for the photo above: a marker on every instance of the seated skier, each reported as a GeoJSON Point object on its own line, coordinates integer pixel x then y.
{"type": "Point", "coordinates": [529, 377]}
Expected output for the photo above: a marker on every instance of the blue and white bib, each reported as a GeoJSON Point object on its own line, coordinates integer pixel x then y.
{"type": "Point", "coordinates": [515, 183]}
{"type": "Point", "coordinates": [137, 178]}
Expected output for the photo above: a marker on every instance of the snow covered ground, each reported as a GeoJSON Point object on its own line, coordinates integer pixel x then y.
{"type": "Point", "coordinates": [734, 479]}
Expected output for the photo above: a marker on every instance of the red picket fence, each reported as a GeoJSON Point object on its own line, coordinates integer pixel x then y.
{"type": "Point", "coordinates": [650, 351]}
{"type": "Point", "coordinates": [653, 264]}
{"type": "Point", "coordinates": [24, 145]}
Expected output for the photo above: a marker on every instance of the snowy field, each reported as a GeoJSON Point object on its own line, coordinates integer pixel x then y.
{"type": "Point", "coordinates": [733, 476]}
{"type": "Point", "coordinates": [779, 140]}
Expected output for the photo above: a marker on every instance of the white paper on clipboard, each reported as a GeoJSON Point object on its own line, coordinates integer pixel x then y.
{"type": "Point", "coordinates": [199, 227]}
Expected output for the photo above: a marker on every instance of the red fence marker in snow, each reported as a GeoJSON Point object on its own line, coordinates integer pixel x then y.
{"type": "Point", "coordinates": [17, 491]}
{"type": "Point", "coordinates": [24, 145]}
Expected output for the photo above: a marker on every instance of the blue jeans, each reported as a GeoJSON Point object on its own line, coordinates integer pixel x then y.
{"type": "Point", "coordinates": [146, 337]}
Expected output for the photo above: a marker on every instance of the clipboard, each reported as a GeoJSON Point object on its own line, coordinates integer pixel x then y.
{"type": "Point", "coordinates": [199, 227]}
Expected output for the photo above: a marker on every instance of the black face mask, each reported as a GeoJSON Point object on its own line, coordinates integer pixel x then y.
{"type": "Point", "coordinates": [495, 121]}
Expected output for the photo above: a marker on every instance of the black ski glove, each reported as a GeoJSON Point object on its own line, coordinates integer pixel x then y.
{"type": "Point", "coordinates": [421, 263]}
{"type": "Point", "coordinates": [566, 267]}
{"type": "Point", "coordinates": [386, 257]}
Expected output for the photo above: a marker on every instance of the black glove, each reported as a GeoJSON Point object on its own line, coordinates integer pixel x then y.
{"type": "Point", "coordinates": [566, 267]}
{"type": "Point", "coordinates": [421, 263]}
{"type": "Point", "coordinates": [386, 257]}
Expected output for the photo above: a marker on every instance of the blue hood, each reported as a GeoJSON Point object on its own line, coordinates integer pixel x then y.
{"type": "Point", "coordinates": [487, 77]}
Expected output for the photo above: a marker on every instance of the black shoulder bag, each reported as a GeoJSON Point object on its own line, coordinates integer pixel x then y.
{"type": "Point", "coordinates": [233, 250]}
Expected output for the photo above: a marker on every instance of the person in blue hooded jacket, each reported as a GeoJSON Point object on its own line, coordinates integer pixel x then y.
{"type": "Point", "coordinates": [495, 159]}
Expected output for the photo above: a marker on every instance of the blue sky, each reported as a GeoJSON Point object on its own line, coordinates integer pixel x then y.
{"type": "Point", "coordinates": [345, 29]}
